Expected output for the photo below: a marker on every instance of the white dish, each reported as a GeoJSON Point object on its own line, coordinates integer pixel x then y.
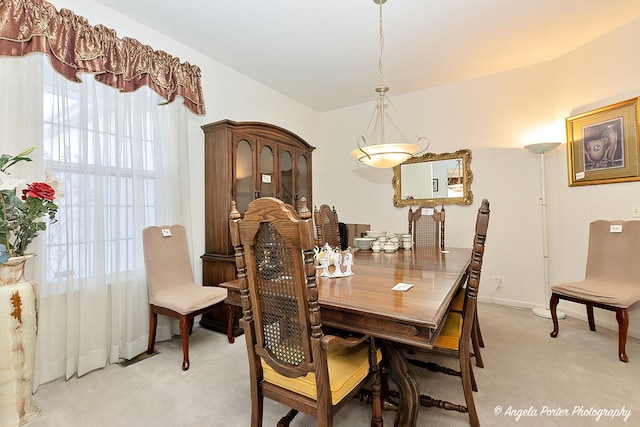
{"type": "Point", "coordinates": [363, 243]}
{"type": "Point", "coordinates": [376, 233]}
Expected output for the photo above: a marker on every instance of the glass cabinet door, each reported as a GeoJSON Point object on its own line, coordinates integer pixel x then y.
{"type": "Point", "coordinates": [267, 186]}
{"type": "Point", "coordinates": [286, 177]}
{"type": "Point", "coordinates": [245, 190]}
{"type": "Point", "coordinates": [302, 181]}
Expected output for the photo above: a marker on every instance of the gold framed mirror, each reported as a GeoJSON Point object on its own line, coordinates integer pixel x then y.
{"type": "Point", "coordinates": [434, 179]}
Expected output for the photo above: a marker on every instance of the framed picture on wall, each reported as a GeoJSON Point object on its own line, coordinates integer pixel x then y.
{"type": "Point", "coordinates": [434, 184]}
{"type": "Point", "coordinates": [602, 145]}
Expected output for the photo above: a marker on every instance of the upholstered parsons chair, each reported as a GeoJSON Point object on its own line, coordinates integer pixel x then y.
{"type": "Point", "coordinates": [291, 360]}
{"type": "Point", "coordinates": [612, 277]}
{"type": "Point", "coordinates": [172, 291]}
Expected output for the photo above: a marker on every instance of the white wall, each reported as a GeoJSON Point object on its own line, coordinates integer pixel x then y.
{"type": "Point", "coordinates": [494, 116]}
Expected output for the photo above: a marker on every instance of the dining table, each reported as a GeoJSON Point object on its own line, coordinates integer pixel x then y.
{"type": "Point", "coordinates": [401, 298]}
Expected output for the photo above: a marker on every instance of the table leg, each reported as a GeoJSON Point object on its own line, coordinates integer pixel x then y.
{"type": "Point", "coordinates": [409, 403]}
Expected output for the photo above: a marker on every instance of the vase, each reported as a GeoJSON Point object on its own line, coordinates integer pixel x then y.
{"type": "Point", "coordinates": [18, 329]}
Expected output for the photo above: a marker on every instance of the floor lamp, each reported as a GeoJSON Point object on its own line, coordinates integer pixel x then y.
{"type": "Point", "coordinates": [541, 149]}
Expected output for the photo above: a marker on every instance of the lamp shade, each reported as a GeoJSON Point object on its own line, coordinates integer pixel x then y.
{"type": "Point", "coordinates": [541, 147]}
{"type": "Point", "coordinates": [385, 155]}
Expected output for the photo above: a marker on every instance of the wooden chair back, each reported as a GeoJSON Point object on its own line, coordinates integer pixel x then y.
{"type": "Point", "coordinates": [274, 250]}
{"type": "Point", "coordinates": [427, 229]}
{"type": "Point", "coordinates": [327, 228]}
{"type": "Point", "coordinates": [473, 280]}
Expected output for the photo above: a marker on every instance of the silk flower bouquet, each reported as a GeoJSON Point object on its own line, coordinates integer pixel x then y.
{"type": "Point", "coordinates": [22, 213]}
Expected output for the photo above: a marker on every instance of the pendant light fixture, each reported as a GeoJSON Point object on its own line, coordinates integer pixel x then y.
{"type": "Point", "coordinates": [373, 148]}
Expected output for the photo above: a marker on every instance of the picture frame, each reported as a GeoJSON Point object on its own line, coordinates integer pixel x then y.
{"type": "Point", "coordinates": [434, 184]}
{"type": "Point", "coordinates": [602, 145]}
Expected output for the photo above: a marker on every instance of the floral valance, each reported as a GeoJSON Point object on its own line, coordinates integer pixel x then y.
{"type": "Point", "coordinates": [76, 47]}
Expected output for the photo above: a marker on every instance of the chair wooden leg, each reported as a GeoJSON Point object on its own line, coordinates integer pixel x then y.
{"type": "Point", "coordinates": [622, 316]}
{"type": "Point", "coordinates": [376, 387]}
{"type": "Point", "coordinates": [153, 321]}
{"type": "Point", "coordinates": [475, 341]}
{"type": "Point", "coordinates": [286, 420]}
{"type": "Point", "coordinates": [592, 322]}
{"type": "Point", "coordinates": [230, 337]}
{"type": "Point", "coordinates": [467, 386]}
{"type": "Point", "coordinates": [185, 324]}
{"type": "Point", "coordinates": [474, 386]}
{"type": "Point", "coordinates": [376, 401]}
{"type": "Point", "coordinates": [478, 331]}
{"type": "Point", "coordinates": [385, 394]}
{"type": "Point", "coordinates": [553, 305]}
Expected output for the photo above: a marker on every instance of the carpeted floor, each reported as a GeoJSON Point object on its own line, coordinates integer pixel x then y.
{"type": "Point", "coordinates": [529, 379]}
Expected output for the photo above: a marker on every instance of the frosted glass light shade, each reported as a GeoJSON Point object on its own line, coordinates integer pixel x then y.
{"type": "Point", "coordinates": [385, 155]}
{"type": "Point", "coordinates": [542, 147]}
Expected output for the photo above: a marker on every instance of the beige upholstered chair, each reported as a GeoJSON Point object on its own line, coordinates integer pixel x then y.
{"type": "Point", "coordinates": [454, 338]}
{"type": "Point", "coordinates": [427, 230]}
{"type": "Point", "coordinates": [327, 229]}
{"type": "Point", "coordinates": [172, 291]}
{"type": "Point", "coordinates": [291, 360]}
{"type": "Point", "coordinates": [612, 277]}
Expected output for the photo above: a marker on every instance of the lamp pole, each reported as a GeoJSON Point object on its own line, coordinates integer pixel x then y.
{"type": "Point", "coordinates": [541, 149]}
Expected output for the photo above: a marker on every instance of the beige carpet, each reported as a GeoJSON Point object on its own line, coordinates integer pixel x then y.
{"type": "Point", "coordinates": [526, 373]}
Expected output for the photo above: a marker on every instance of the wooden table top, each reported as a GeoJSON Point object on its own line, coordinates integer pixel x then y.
{"type": "Point", "coordinates": [435, 277]}
{"type": "Point", "coordinates": [365, 302]}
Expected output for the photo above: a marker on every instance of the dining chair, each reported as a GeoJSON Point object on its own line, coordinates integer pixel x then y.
{"type": "Point", "coordinates": [476, 334]}
{"type": "Point", "coordinates": [291, 360]}
{"type": "Point", "coordinates": [454, 337]}
{"type": "Point", "coordinates": [171, 287]}
{"type": "Point", "coordinates": [327, 226]}
{"type": "Point", "coordinates": [612, 277]}
{"type": "Point", "coordinates": [426, 225]}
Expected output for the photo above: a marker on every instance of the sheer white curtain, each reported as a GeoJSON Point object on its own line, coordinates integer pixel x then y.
{"type": "Point", "coordinates": [122, 159]}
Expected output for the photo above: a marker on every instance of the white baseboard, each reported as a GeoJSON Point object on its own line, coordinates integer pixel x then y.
{"type": "Point", "coordinates": [603, 318]}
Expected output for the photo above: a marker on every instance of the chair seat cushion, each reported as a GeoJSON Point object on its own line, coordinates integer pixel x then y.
{"type": "Point", "coordinates": [347, 368]}
{"type": "Point", "coordinates": [449, 337]}
{"type": "Point", "coordinates": [458, 302]}
{"type": "Point", "coordinates": [186, 299]}
{"type": "Point", "coordinates": [621, 295]}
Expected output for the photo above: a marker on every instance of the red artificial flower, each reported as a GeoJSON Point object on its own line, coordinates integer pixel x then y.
{"type": "Point", "coordinates": [39, 190]}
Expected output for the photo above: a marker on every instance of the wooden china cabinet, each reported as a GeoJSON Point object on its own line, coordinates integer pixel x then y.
{"type": "Point", "coordinates": [244, 161]}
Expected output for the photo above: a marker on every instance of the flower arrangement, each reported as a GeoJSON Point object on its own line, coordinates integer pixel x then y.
{"type": "Point", "coordinates": [20, 215]}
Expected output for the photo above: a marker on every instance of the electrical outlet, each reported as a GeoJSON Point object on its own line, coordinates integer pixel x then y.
{"type": "Point", "coordinates": [498, 279]}
{"type": "Point", "coordinates": [635, 210]}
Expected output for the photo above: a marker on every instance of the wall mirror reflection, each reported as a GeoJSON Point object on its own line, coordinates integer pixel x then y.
{"type": "Point", "coordinates": [434, 179]}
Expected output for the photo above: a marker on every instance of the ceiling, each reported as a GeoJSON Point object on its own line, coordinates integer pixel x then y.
{"type": "Point", "coordinates": [324, 53]}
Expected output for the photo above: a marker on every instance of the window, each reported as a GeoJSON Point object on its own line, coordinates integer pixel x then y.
{"type": "Point", "coordinates": [101, 144]}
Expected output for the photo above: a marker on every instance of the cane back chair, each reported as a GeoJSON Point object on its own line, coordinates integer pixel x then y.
{"type": "Point", "coordinates": [291, 360]}
{"type": "Point", "coordinates": [327, 228]}
{"type": "Point", "coordinates": [454, 337]}
{"type": "Point", "coordinates": [426, 225]}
